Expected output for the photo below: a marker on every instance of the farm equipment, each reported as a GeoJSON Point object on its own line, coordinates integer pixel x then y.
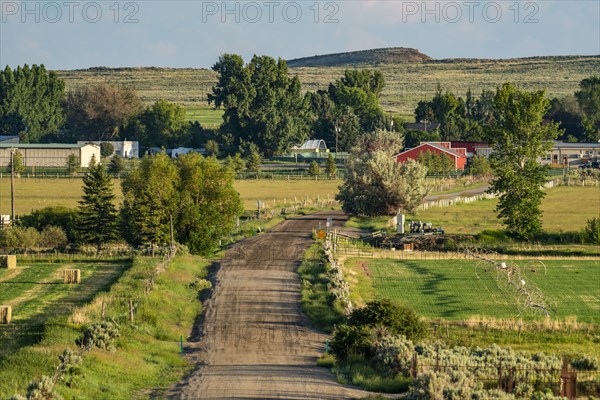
{"type": "Point", "coordinates": [424, 228]}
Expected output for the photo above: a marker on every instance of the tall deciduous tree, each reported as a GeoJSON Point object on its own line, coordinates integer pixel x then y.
{"type": "Point", "coordinates": [30, 102]}
{"type": "Point", "coordinates": [97, 112]}
{"type": "Point", "coordinates": [150, 201]}
{"type": "Point", "coordinates": [15, 164]}
{"type": "Point", "coordinates": [97, 221]}
{"type": "Point", "coordinates": [588, 98]}
{"type": "Point", "coordinates": [161, 124]}
{"type": "Point", "coordinates": [263, 104]}
{"type": "Point", "coordinates": [208, 202]}
{"type": "Point", "coordinates": [518, 139]}
{"type": "Point", "coordinates": [359, 90]}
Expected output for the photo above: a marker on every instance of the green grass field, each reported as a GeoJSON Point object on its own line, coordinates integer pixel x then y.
{"type": "Point", "coordinates": [460, 290]}
{"type": "Point", "coordinates": [564, 209]}
{"type": "Point", "coordinates": [406, 83]}
{"type": "Point", "coordinates": [147, 354]}
{"type": "Point", "coordinates": [33, 194]}
{"type": "Point", "coordinates": [209, 118]}
{"type": "Point", "coordinates": [36, 292]}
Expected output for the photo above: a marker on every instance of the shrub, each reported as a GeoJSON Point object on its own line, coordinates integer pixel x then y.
{"type": "Point", "coordinates": [399, 320]}
{"type": "Point", "coordinates": [585, 363]}
{"type": "Point", "coordinates": [59, 216]}
{"type": "Point", "coordinates": [101, 335]}
{"type": "Point", "coordinates": [592, 230]}
{"type": "Point", "coordinates": [326, 360]}
{"type": "Point", "coordinates": [351, 340]}
{"type": "Point", "coordinates": [200, 284]}
{"type": "Point", "coordinates": [69, 366]}
{"type": "Point", "coordinates": [42, 389]}
{"type": "Point", "coordinates": [19, 238]}
{"type": "Point", "coordinates": [53, 237]}
{"type": "Point", "coordinates": [106, 149]}
{"type": "Point", "coordinates": [453, 385]}
{"type": "Point", "coordinates": [394, 353]}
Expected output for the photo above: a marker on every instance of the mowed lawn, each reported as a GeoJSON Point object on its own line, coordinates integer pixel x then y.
{"type": "Point", "coordinates": [564, 209]}
{"type": "Point", "coordinates": [33, 194]}
{"type": "Point", "coordinates": [460, 289]}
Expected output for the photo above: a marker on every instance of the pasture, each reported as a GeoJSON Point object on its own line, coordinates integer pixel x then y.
{"type": "Point", "coordinates": [33, 194]}
{"type": "Point", "coordinates": [36, 292]}
{"type": "Point", "coordinates": [463, 289]}
{"type": "Point", "coordinates": [147, 352]}
{"type": "Point", "coordinates": [564, 209]}
{"type": "Point", "coordinates": [406, 83]}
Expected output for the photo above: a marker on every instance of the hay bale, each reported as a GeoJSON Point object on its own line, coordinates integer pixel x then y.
{"type": "Point", "coordinates": [408, 247]}
{"type": "Point", "coordinates": [5, 314]}
{"type": "Point", "coordinates": [8, 261]}
{"type": "Point", "coordinates": [72, 276]}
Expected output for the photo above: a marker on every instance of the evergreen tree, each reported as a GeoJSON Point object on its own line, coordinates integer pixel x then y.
{"type": "Point", "coordinates": [72, 164]}
{"type": "Point", "coordinates": [97, 215]}
{"type": "Point", "coordinates": [314, 169]}
{"type": "Point", "coordinates": [330, 167]}
{"type": "Point", "coordinates": [30, 102]}
{"type": "Point", "coordinates": [254, 160]}
{"type": "Point", "coordinates": [116, 165]}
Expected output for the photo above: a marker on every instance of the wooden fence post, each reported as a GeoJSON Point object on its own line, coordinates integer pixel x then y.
{"type": "Point", "coordinates": [414, 366]}
{"type": "Point", "coordinates": [130, 311]}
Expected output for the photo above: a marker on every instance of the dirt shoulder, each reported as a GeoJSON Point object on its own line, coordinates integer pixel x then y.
{"type": "Point", "coordinates": [256, 343]}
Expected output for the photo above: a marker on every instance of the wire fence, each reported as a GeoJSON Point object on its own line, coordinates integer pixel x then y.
{"type": "Point", "coordinates": [565, 381]}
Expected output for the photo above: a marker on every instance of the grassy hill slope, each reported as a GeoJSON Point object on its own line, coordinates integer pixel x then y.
{"type": "Point", "coordinates": [406, 82]}
{"type": "Point", "coordinates": [390, 55]}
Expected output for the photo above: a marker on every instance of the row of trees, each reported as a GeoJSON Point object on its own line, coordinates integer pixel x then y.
{"type": "Point", "coordinates": [472, 118]}
{"type": "Point", "coordinates": [190, 200]}
{"type": "Point", "coordinates": [35, 106]}
{"type": "Point", "coordinates": [264, 106]}
{"type": "Point", "coordinates": [376, 185]}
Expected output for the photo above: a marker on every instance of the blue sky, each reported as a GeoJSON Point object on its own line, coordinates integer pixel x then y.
{"type": "Point", "coordinates": [73, 34]}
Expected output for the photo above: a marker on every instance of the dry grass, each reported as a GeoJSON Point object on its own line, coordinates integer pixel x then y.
{"type": "Point", "coordinates": [33, 194]}
{"type": "Point", "coordinates": [406, 84]}
{"type": "Point", "coordinates": [280, 191]}
{"type": "Point", "coordinates": [564, 208]}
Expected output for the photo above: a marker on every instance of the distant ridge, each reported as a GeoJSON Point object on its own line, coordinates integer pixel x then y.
{"type": "Point", "coordinates": [390, 55]}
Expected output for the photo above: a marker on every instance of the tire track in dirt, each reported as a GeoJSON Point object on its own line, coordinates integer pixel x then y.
{"type": "Point", "coordinates": [256, 342]}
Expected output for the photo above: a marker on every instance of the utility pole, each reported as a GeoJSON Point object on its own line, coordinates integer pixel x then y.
{"type": "Point", "coordinates": [12, 185]}
{"type": "Point", "coordinates": [337, 131]}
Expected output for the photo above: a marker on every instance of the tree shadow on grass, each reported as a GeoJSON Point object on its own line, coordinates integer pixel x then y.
{"type": "Point", "coordinates": [448, 305]}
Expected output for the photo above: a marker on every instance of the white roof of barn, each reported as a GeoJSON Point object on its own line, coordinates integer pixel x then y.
{"type": "Point", "coordinates": [312, 145]}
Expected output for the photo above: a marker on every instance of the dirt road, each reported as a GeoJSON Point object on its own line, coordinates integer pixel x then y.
{"type": "Point", "coordinates": [256, 343]}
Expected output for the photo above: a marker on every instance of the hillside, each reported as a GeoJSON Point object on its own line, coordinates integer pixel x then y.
{"type": "Point", "coordinates": [405, 83]}
{"type": "Point", "coordinates": [390, 55]}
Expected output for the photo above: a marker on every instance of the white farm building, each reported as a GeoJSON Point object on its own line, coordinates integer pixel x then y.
{"type": "Point", "coordinates": [50, 154]}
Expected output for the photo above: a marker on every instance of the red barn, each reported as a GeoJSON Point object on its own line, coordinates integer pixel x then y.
{"type": "Point", "coordinates": [459, 155]}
